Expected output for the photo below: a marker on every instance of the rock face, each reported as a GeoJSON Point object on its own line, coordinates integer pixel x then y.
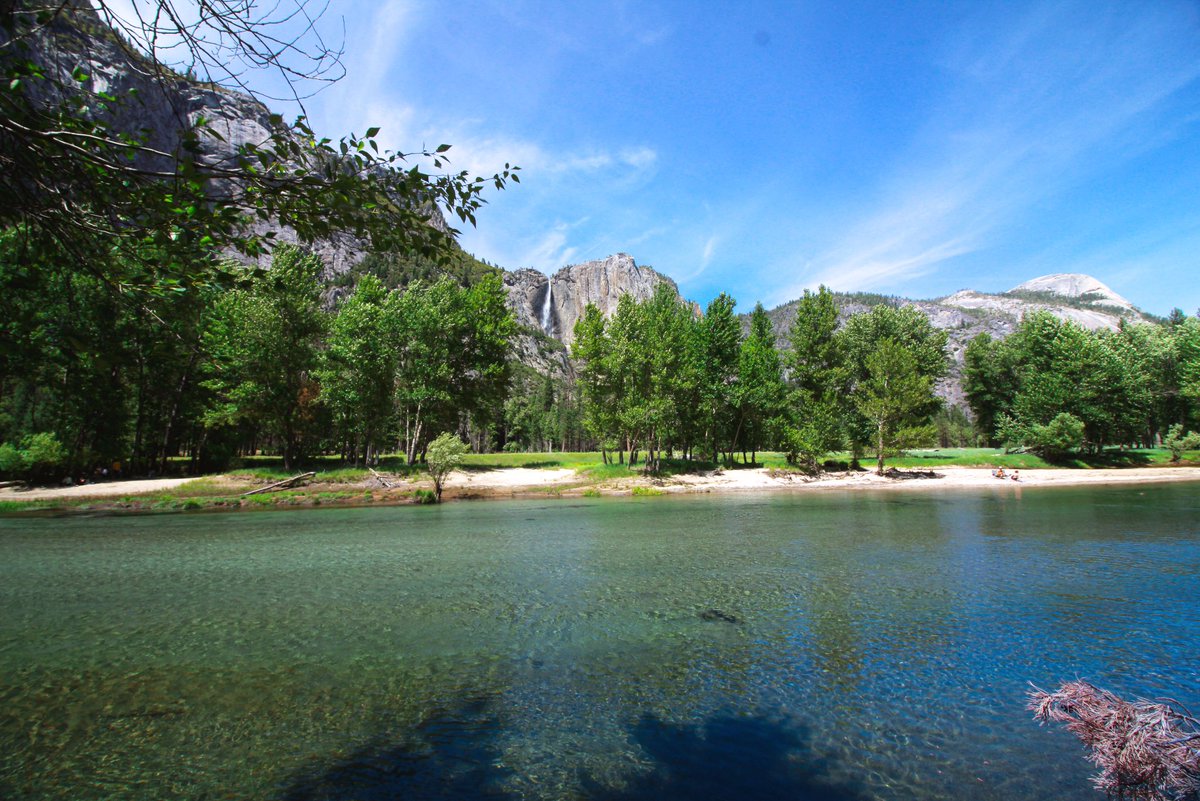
{"type": "Point", "coordinates": [553, 304]}
{"type": "Point", "coordinates": [1074, 285]}
{"type": "Point", "coordinates": [166, 106]}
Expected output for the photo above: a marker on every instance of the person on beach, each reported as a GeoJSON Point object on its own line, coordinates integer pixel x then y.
{"type": "Point", "coordinates": [1016, 475]}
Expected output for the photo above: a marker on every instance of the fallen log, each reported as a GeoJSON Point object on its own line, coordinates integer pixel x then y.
{"type": "Point", "coordinates": [387, 484]}
{"type": "Point", "coordinates": [287, 482]}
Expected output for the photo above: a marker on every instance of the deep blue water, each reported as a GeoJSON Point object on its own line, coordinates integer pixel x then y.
{"type": "Point", "coordinates": [810, 646]}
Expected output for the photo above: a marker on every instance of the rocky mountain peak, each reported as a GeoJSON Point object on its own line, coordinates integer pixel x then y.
{"type": "Point", "coordinates": [1073, 285]}
{"type": "Point", "coordinates": [553, 304]}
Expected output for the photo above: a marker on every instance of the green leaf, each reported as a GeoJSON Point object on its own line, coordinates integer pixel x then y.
{"type": "Point", "coordinates": [372, 132]}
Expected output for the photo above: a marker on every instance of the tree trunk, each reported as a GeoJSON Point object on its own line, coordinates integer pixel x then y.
{"type": "Point", "coordinates": [879, 465]}
{"type": "Point", "coordinates": [166, 439]}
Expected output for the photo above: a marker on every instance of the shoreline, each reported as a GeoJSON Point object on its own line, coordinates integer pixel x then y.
{"type": "Point", "coordinates": [223, 493]}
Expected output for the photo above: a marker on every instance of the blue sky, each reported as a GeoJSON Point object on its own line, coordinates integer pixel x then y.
{"type": "Point", "coordinates": [914, 148]}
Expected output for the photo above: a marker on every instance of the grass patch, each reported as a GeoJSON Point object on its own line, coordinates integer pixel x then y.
{"type": "Point", "coordinates": [592, 492]}
{"type": "Point", "coordinates": [606, 472]}
{"type": "Point", "coordinates": [21, 506]}
{"type": "Point", "coordinates": [207, 486]}
{"type": "Point", "coordinates": [646, 491]}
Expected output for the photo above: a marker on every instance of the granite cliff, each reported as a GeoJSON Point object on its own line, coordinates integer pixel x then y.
{"type": "Point", "coordinates": [76, 50]}
{"type": "Point", "coordinates": [552, 304]}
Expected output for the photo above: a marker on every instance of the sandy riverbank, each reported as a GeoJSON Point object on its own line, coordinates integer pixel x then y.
{"type": "Point", "coordinates": [944, 477]}
{"type": "Point", "coordinates": [518, 481]}
{"type": "Point", "coordinates": [104, 489]}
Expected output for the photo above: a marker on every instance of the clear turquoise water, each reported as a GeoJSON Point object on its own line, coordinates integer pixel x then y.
{"type": "Point", "coordinates": [815, 646]}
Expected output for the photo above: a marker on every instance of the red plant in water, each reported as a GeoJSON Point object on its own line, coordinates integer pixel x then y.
{"type": "Point", "coordinates": [1144, 749]}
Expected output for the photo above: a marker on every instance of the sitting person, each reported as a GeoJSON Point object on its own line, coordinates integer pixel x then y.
{"type": "Point", "coordinates": [998, 472]}
{"type": "Point", "coordinates": [1015, 476]}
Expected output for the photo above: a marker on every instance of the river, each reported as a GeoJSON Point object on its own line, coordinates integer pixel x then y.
{"type": "Point", "coordinates": [824, 645]}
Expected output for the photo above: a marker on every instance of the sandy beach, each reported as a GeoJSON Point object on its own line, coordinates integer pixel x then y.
{"type": "Point", "coordinates": [103, 489]}
{"type": "Point", "coordinates": [944, 478]}
{"type": "Point", "coordinates": [516, 481]}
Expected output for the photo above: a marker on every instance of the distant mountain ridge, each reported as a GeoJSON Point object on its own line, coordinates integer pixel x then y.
{"type": "Point", "coordinates": [1077, 297]}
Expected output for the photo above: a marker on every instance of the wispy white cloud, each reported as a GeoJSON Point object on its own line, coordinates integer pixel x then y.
{"type": "Point", "coordinates": [1035, 109]}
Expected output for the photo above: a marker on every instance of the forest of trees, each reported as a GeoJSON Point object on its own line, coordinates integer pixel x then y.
{"type": "Point", "coordinates": [1054, 387]}
{"type": "Point", "coordinates": [659, 380]}
{"type": "Point", "coordinates": [389, 356]}
{"type": "Point", "coordinates": [249, 363]}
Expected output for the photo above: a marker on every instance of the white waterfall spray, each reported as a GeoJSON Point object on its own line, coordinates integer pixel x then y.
{"type": "Point", "coordinates": [546, 307]}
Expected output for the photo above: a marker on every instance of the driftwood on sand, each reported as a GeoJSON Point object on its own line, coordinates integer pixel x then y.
{"type": "Point", "coordinates": [387, 484]}
{"type": "Point", "coordinates": [892, 472]}
{"type": "Point", "coordinates": [287, 482]}
{"type": "Point", "coordinates": [1144, 749]}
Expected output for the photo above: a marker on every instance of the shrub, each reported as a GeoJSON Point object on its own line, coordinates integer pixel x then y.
{"type": "Point", "coordinates": [43, 451]}
{"type": "Point", "coordinates": [12, 462]}
{"type": "Point", "coordinates": [443, 455]}
{"type": "Point", "coordinates": [1061, 435]}
{"type": "Point", "coordinates": [39, 456]}
{"type": "Point", "coordinates": [424, 496]}
{"type": "Point", "coordinates": [1176, 441]}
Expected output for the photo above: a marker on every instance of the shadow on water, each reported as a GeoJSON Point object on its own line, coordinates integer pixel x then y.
{"type": "Point", "coordinates": [727, 757]}
{"type": "Point", "coordinates": [456, 756]}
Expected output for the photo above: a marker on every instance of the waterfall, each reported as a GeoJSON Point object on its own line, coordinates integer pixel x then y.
{"type": "Point", "coordinates": [546, 307]}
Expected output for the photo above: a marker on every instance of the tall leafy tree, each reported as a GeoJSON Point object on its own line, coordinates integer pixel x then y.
{"type": "Point", "coordinates": [453, 346]}
{"type": "Point", "coordinates": [1062, 368]}
{"type": "Point", "coordinates": [817, 379]}
{"type": "Point", "coordinates": [667, 322]}
{"type": "Point", "coordinates": [761, 394]}
{"type": "Point", "coordinates": [893, 397]}
{"type": "Point", "coordinates": [263, 341]}
{"type": "Point", "coordinates": [112, 379]}
{"type": "Point", "coordinates": [358, 372]}
{"type": "Point", "coordinates": [905, 328]}
{"type": "Point", "coordinates": [989, 382]}
{"type": "Point", "coordinates": [599, 381]}
{"type": "Point", "coordinates": [718, 339]}
{"type": "Point", "coordinates": [1187, 337]}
